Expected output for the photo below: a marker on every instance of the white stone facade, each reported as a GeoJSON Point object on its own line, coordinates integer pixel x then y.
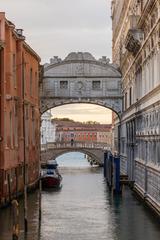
{"type": "Point", "coordinates": [105, 137]}
{"type": "Point", "coordinates": [136, 48]}
{"type": "Point", "coordinates": [48, 129]}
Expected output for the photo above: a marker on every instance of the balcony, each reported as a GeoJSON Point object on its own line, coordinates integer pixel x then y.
{"type": "Point", "coordinates": [133, 40]}
{"type": "Point", "coordinates": [134, 36]}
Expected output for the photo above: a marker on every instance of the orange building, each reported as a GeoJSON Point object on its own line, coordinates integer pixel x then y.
{"type": "Point", "coordinates": [81, 132]}
{"type": "Point", "coordinates": [19, 111]}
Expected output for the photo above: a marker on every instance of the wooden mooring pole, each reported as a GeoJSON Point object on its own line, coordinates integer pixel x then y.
{"type": "Point", "coordinates": [40, 207]}
{"type": "Point", "coordinates": [40, 193]}
{"type": "Point", "coordinates": [25, 210]}
{"type": "Point", "coordinates": [40, 200]}
{"type": "Point", "coordinates": [15, 212]}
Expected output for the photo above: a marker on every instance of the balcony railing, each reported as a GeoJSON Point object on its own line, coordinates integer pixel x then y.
{"type": "Point", "coordinates": [134, 36]}
{"type": "Point", "coordinates": [57, 145]}
{"type": "Point", "coordinates": [133, 40]}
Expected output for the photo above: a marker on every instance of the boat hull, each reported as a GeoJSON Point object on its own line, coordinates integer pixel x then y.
{"type": "Point", "coordinates": [51, 182]}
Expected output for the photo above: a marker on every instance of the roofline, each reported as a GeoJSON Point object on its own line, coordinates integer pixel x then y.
{"type": "Point", "coordinates": [79, 61]}
{"type": "Point", "coordinates": [29, 49]}
{"type": "Point", "coordinates": [81, 76]}
{"type": "Point", "coordinates": [22, 38]}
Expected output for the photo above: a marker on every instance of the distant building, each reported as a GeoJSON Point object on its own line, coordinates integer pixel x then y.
{"type": "Point", "coordinates": [84, 133]}
{"type": "Point", "coordinates": [136, 50]}
{"type": "Point", "coordinates": [19, 111]}
{"type": "Point", "coordinates": [48, 128]}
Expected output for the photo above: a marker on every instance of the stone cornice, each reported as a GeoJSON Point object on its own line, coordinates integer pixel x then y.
{"type": "Point", "coordinates": [80, 76]}
{"type": "Point", "coordinates": [83, 99]}
{"type": "Point", "coordinates": [82, 62]}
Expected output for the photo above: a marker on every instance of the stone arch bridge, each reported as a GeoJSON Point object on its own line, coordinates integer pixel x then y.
{"type": "Point", "coordinates": [53, 150]}
{"type": "Point", "coordinates": [80, 78]}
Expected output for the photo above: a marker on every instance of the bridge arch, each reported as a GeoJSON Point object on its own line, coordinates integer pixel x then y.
{"type": "Point", "coordinates": [96, 154]}
{"type": "Point", "coordinates": [80, 78]}
{"type": "Point", "coordinates": [63, 102]}
{"type": "Point", "coordinates": [89, 153]}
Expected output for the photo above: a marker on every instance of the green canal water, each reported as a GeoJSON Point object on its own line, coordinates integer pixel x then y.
{"type": "Point", "coordinates": [84, 209]}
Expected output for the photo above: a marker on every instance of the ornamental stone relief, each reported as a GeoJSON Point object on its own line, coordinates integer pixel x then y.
{"type": "Point", "coordinates": [80, 69]}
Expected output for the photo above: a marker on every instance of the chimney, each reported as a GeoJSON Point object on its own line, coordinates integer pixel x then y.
{"type": "Point", "coordinates": [19, 32]}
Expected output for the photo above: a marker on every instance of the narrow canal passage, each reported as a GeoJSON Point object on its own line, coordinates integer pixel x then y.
{"type": "Point", "coordinates": [84, 209]}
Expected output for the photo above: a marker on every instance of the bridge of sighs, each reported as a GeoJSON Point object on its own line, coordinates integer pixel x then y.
{"type": "Point", "coordinates": [80, 78]}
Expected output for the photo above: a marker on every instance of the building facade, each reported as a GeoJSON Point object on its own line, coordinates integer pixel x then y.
{"type": "Point", "coordinates": [76, 132]}
{"type": "Point", "coordinates": [48, 128]}
{"type": "Point", "coordinates": [19, 111]}
{"type": "Point", "coordinates": [136, 49]}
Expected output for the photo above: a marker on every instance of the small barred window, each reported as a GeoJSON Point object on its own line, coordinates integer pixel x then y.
{"type": "Point", "coordinates": [96, 85]}
{"type": "Point", "coordinates": [63, 84]}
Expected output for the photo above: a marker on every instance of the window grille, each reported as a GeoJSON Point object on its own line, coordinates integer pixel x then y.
{"type": "Point", "coordinates": [63, 84]}
{"type": "Point", "coordinates": [96, 85]}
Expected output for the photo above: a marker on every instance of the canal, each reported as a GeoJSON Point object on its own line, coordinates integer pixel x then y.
{"type": "Point", "coordinates": [84, 209]}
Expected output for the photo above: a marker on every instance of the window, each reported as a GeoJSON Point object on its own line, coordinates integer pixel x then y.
{"type": "Point", "coordinates": [31, 73]}
{"type": "Point", "coordinates": [125, 101]}
{"type": "Point", "coordinates": [152, 42]}
{"type": "Point", "coordinates": [14, 70]}
{"type": "Point", "coordinates": [130, 96]}
{"type": "Point", "coordinates": [5, 129]}
{"type": "Point", "coordinates": [16, 123]}
{"type": "Point", "coordinates": [33, 126]}
{"type": "Point", "coordinates": [11, 129]}
{"type": "Point", "coordinates": [24, 90]}
{"type": "Point", "coordinates": [26, 125]}
{"type": "Point", "coordinates": [36, 82]}
{"type": "Point", "coordinates": [96, 85]}
{"type": "Point", "coordinates": [63, 84]}
{"type": "Point", "coordinates": [122, 145]}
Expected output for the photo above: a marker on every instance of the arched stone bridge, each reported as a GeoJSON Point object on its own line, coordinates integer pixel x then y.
{"type": "Point", "coordinates": [53, 150]}
{"type": "Point", "coordinates": [80, 78]}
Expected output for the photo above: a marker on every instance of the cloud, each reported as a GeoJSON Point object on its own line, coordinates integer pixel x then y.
{"type": "Point", "coordinates": [83, 112]}
{"type": "Point", "coordinates": [57, 27]}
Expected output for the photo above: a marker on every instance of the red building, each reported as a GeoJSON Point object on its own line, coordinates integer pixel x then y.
{"type": "Point", "coordinates": [80, 132]}
{"type": "Point", "coordinates": [19, 111]}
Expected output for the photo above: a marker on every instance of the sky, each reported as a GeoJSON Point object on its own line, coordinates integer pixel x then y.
{"type": "Point", "coordinates": [58, 27]}
{"type": "Point", "coordinates": [91, 112]}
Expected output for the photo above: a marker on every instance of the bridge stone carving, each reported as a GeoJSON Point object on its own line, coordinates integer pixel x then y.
{"type": "Point", "coordinates": [53, 150]}
{"type": "Point", "coordinates": [80, 78]}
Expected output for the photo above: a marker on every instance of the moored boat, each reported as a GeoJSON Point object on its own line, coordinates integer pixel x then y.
{"type": "Point", "coordinates": [51, 177]}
